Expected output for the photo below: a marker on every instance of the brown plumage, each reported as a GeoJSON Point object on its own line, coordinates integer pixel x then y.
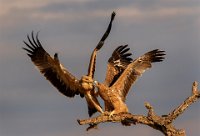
{"type": "Point", "coordinates": [117, 63]}
{"type": "Point", "coordinates": [91, 67]}
{"type": "Point", "coordinates": [114, 94]}
{"type": "Point", "coordinates": [59, 76]}
{"type": "Point", "coordinates": [119, 60]}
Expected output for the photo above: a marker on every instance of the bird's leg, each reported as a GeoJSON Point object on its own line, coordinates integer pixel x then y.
{"type": "Point", "coordinates": [96, 105]}
{"type": "Point", "coordinates": [105, 113]}
{"type": "Point", "coordinates": [111, 113]}
{"type": "Point", "coordinates": [99, 108]}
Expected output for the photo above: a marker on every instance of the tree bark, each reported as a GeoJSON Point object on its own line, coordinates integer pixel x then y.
{"type": "Point", "coordinates": [161, 123]}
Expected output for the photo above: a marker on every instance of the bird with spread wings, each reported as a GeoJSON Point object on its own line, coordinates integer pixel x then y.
{"type": "Point", "coordinates": [114, 92]}
{"type": "Point", "coordinates": [60, 77]}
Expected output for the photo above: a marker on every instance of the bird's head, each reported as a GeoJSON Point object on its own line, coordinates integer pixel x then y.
{"type": "Point", "coordinates": [95, 83]}
{"type": "Point", "coordinates": [87, 82]}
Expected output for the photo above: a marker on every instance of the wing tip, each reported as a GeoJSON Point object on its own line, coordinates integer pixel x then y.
{"type": "Point", "coordinates": [124, 53]}
{"type": "Point", "coordinates": [33, 43]}
{"type": "Point", "coordinates": [113, 15]}
{"type": "Point", "coordinates": [158, 55]}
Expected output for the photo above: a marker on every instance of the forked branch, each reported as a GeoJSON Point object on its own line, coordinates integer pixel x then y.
{"type": "Point", "coordinates": [161, 123]}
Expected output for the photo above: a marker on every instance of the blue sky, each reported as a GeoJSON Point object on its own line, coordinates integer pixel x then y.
{"type": "Point", "coordinates": [30, 106]}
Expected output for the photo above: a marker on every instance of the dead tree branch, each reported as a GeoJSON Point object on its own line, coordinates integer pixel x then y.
{"type": "Point", "coordinates": [161, 123]}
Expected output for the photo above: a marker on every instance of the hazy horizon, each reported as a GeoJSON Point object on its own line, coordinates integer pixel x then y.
{"type": "Point", "coordinates": [31, 106]}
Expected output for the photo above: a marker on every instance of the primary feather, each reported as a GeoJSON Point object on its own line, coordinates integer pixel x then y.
{"type": "Point", "coordinates": [52, 69]}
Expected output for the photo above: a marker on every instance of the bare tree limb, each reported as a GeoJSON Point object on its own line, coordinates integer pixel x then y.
{"type": "Point", "coordinates": [190, 100]}
{"type": "Point", "coordinates": [161, 123]}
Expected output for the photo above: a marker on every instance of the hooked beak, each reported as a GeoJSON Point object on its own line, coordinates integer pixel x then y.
{"type": "Point", "coordinates": [95, 83]}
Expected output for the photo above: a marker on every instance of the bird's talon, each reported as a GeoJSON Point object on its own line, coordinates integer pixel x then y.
{"type": "Point", "coordinates": [111, 114]}
{"type": "Point", "coordinates": [105, 113]}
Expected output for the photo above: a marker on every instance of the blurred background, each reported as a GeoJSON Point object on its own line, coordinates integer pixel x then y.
{"type": "Point", "coordinates": [31, 106]}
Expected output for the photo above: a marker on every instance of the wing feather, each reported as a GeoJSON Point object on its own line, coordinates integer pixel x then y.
{"type": "Point", "coordinates": [51, 68]}
{"type": "Point", "coordinates": [119, 60]}
{"type": "Point", "coordinates": [135, 70]}
{"type": "Point", "coordinates": [91, 68]}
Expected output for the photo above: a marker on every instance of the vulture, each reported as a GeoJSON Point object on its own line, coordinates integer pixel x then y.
{"type": "Point", "coordinates": [115, 88]}
{"type": "Point", "coordinates": [60, 77]}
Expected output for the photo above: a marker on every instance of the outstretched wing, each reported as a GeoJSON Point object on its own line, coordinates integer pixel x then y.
{"type": "Point", "coordinates": [119, 60]}
{"type": "Point", "coordinates": [136, 69]}
{"type": "Point", "coordinates": [91, 67]}
{"type": "Point", "coordinates": [51, 68]}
